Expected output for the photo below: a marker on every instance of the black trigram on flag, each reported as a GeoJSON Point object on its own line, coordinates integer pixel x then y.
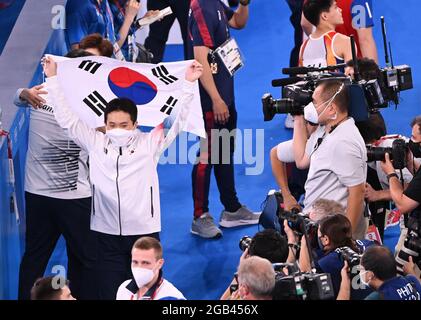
{"type": "Point", "coordinates": [90, 66]}
{"type": "Point", "coordinates": [96, 102]}
{"type": "Point", "coordinates": [162, 74]}
{"type": "Point", "coordinates": [169, 105]}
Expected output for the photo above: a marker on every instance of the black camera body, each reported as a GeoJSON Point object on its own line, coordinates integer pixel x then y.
{"type": "Point", "coordinates": [412, 243]}
{"type": "Point", "coordinates": [374, 95]}
{"type": "Point", "coordinates": [279, 269]}
{"type": "Point", "coordinates": [283, 106]}
{"type": "Point", "coordinates": [350, 256]}
{"type": "Point", "coordinates": [297, 221]}
{"type": "Point", "coordinates": [245, 243]}
{"type": "Point", "coordinates": [273, 217]}
{"type": "Point", "coordinates": [398, 153]}
{"type": "Point", "coordinates": [295, 95]}
{"type": "Point", "coordinates": [365, 95]}
{"type": "Point", "coordinates": [303, 286]}
{"type": "Point", "coordinates": [396, 79]}
{"type": "Point", "coordinates": [301, 224]}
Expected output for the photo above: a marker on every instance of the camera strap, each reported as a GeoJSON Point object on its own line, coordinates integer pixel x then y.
{"type": "Point", "coordinates": [382, 139]}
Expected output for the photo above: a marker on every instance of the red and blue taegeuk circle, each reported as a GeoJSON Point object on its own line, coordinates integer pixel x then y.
{"type": "Point", "coordinates": [127, 83]}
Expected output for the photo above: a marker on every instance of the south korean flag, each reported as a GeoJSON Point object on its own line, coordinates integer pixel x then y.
{"type": "Point", "coordinates": [89, 83]}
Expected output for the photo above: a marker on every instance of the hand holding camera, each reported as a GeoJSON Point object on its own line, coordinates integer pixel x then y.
{"type": "Point", "coordinates": [387, 165]}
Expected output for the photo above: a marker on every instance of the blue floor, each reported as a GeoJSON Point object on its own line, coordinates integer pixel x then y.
{"type": "Point", "coordinates": [202, 269]}
{"type": "Point", "coordinates": [8, 17]}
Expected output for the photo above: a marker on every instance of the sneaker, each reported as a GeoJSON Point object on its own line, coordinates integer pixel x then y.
{"type": "Point", "coordinates": [241, 217]}
{"type": "Point", "coordinates": [289, 122]}
{"type": "Point", "coordinates": [205, 227]}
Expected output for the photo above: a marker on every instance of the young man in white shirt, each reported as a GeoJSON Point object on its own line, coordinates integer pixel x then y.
{"type": "Point", "coordinates": [147, 282]}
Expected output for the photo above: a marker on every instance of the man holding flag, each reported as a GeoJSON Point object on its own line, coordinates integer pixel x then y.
{"type": "Point", "coordinates": [124, 179]}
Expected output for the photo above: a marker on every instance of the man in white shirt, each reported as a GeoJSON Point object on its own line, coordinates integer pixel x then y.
{"type": "Point", "coordinates": [147, 282]}
{"type": "Point", "coordinates": [337, 163]}
{"type": "Point", "coordinates": [123, 174]}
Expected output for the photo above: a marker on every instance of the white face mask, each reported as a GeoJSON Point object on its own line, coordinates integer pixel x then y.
{"type": "Point", "coordinates": [142, 276]}
{"type": "Point", "coordinates": [310, 111]}
{"type": "Point", "coordinates": [120, 137]}
{"type": "Point", "coordinates": [311, 115]}
{"type": "Point", "coordinates": [363, 278]}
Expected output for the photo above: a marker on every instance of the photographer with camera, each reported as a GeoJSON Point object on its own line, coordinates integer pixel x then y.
{"type": "Point", "coordinates": [336, 245]}
{"type": "Point", "coordinates": [268, 244]}
{"type": "Point", "coordinates": [377, 192]}
{"type": "Point", "coordinates": [256, 279]}
{"type": "Point", "coordinates": [408, 200]}
{"type": "Point", "coordinates": [337, 162]}
{"type": "Point", "coordinates": [283, 153]}
{"type": "Point", "coordinates": [378, 271]}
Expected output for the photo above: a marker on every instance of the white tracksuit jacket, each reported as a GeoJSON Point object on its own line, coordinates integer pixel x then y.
{"type": "Point", "coordinates": [125, 187]}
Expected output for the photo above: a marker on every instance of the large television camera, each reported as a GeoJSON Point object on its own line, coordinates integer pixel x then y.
{"type": "Point", "coordinates": [365, 95]}
{"type": "Point", "coordinates": [297, 93]}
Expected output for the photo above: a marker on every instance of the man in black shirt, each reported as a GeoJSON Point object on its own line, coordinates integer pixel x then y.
{"type": "Point", "coordinates": [410, 199]}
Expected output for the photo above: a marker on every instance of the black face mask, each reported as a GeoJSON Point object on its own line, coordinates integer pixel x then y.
{"type": "Point", "coordinates": [415, 148]}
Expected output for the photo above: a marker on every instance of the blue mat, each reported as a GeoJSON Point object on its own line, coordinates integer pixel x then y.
{"type": "Point", "coordinates": [202, 269]}
{"type": "Point", "coordinates": [8, 17]}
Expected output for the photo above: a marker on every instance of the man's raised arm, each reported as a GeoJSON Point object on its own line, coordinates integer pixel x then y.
{"type": "Point", "coordinates": [78, 130]}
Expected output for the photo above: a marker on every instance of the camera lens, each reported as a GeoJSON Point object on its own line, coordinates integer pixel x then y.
{"type": "Point", "coordinates": [244, 243]}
